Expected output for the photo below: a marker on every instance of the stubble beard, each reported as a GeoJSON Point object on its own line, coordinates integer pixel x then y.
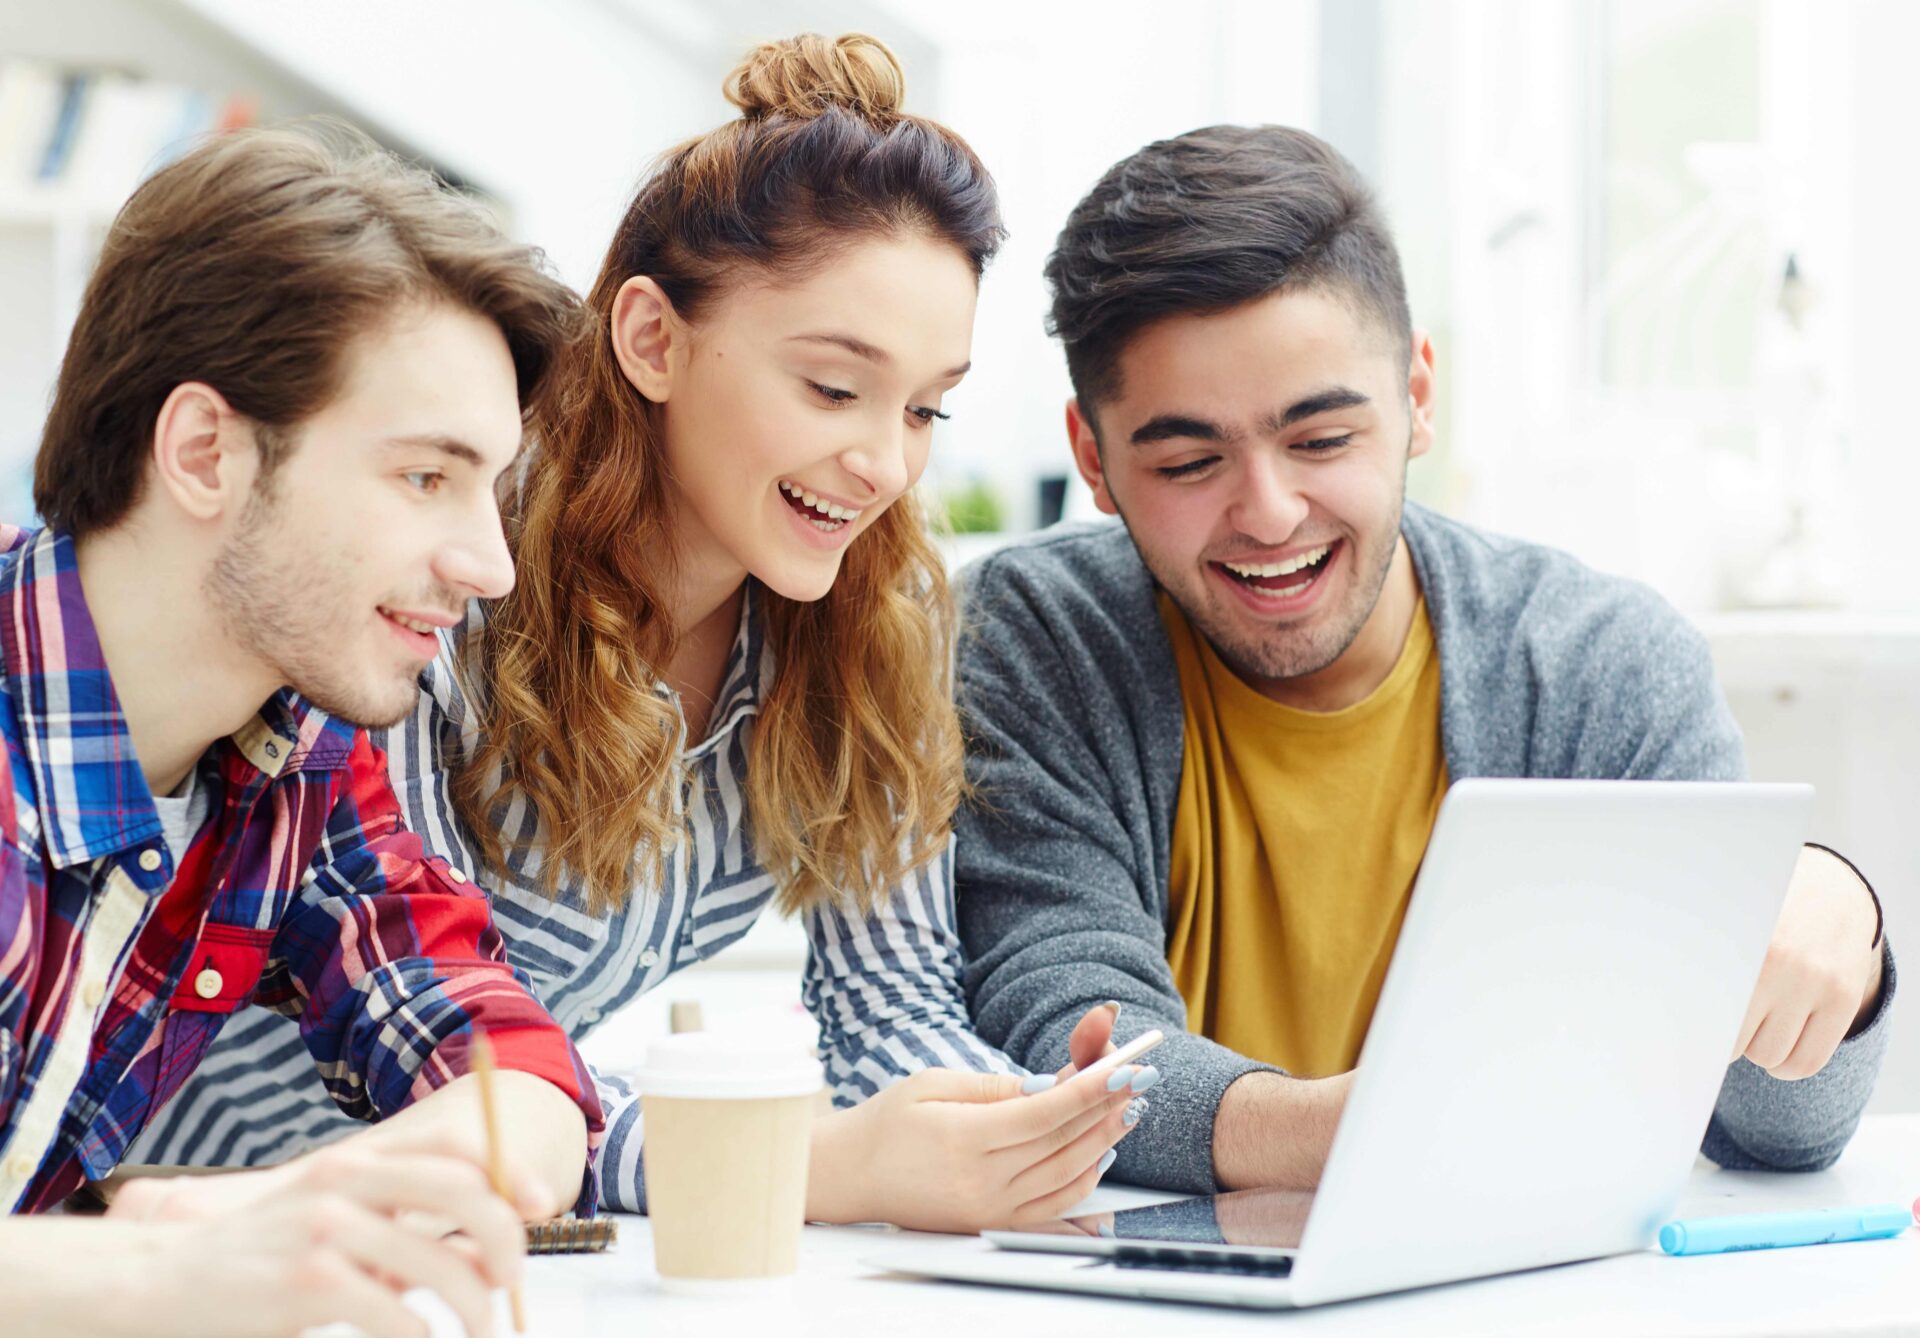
{"type": "Point", "coordinates": [294, 611]}
{"type": "Point", "coordinates": [1288, 652]}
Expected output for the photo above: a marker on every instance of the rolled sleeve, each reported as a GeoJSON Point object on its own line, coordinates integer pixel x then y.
{"type": "Point", "coordinates": [886, 988]}
{"type": "Point", "coordinates": [391, 964]}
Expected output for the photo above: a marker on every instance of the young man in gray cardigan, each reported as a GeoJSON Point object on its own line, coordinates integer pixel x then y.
{"type": "Point", "coordinates": [1248, 392]}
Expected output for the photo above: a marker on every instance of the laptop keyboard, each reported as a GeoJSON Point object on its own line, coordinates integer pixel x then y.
{"type": "Point", "coordinates": [1172, 1257]}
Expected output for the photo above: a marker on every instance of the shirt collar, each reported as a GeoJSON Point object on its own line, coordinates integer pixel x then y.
{"type": "Point", "coordinates": [746, 672]}
{"type": "Point", "coordinates": [92, 796]}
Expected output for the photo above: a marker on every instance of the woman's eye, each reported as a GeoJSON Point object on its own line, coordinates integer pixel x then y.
{"type": "Point", "coordinates": [833, 395]}
{"type": "Point", "coordinates": [424, 480]}
{"type": "Point", "coordinates": [925, 416]}
{"type": "Point", "coordinates": [1186, 470]}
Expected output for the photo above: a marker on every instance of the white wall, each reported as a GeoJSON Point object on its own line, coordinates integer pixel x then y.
{"type": "Point", "coordinates": [1051, 96]}
{"type": "Point", "coordinates": [555, 111]}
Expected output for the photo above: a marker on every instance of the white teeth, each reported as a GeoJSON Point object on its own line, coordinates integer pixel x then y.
{"type": "Point", "coordinates": [1287, 568]}
{"type": "Point", "coordinates": [831, 511]}
{"type": "Point", "coordinates": [411, 624]}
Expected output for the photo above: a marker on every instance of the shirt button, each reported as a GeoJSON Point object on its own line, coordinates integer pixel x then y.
{"type": "Point", "coordinates": [455, 874]}
{"type": "Point", "coordinates": [93, 992]}
{"type": "Point", "coordinates": [207, 984]}
{"type": "Point", "coordinates": [150, 860]}
{"type": "Point", "coordinates": [20, 1167]}
{"type": "Point", "coordinates": [649, 957]}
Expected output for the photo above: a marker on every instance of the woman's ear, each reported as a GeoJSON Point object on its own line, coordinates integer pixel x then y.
{"type": "Point", "coordinates": [649, 338]}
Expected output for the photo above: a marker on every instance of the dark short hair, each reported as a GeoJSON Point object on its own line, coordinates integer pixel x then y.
{"type": "Point", "coordinates": [1207, 221]}
{"type": "Point", "coordinates": [252, 263]}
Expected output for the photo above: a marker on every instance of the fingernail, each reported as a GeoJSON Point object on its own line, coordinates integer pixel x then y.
{"type": "Point", "coordinates": [1037, 1082]}
{"type": "Point", "coordinates": [1135, 1109]}
{"type": "Point", "coordinates": [1106, 1231]}
{"type": "Point", "coordinates": [1145, 1078]}
{"type": "Point", "coordinates": [1112, 1006]}
{"type": "Point", "coordinates": [1121, 1077]}
{"type": "Point", "coordinates": [1107, 1160]}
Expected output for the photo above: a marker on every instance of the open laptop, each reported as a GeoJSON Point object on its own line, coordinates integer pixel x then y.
{"type": "Point", "coordinates": [1575, 963]}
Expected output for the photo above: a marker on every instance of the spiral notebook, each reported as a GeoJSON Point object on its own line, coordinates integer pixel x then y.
{"type": "Point", "coordinates": [572, 1235]}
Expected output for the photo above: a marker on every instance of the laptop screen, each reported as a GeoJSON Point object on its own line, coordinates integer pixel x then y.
{"type": "Point", "coordinates": [1251, 1218]}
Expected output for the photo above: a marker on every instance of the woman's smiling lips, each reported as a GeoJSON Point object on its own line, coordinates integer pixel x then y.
{"type": "Point", "coordinates": [823, 522]}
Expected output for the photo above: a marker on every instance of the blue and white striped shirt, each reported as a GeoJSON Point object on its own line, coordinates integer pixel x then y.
{"type": "Point", "coordinates": [884, 988]}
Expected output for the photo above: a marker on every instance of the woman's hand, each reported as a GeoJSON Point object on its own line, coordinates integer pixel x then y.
{"type": "Point", "coordinates": [965, 1152]}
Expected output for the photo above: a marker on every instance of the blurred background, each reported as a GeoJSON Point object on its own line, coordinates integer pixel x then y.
{"type": "Point", "coordinates": [1662, 248]}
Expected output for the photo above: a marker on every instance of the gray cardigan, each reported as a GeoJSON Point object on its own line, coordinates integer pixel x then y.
{"type": "Point", "coordinates": [1071, 703]}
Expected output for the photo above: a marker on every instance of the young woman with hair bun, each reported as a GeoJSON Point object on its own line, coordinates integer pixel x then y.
{"type": "Point", "coordinates": [722, 680]}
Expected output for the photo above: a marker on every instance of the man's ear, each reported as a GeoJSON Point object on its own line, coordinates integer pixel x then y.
{"type": "Point", "coordinates": [1086, 456]}
{"type": "Point", "coordinates": [649, 338]}
{"type": "Point", "coordinates": [204, 456]}
{"type": "Point", "coordinates": [1422, 390]}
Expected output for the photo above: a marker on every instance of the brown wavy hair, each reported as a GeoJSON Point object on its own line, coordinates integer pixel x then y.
{"type": "Point", "coordinates": [855, 765]}
{"type": "Point", "coordinates": [252, 263]}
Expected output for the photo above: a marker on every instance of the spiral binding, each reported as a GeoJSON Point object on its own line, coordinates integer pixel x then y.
{"type": "Point", "coordinates": [572, 1235]}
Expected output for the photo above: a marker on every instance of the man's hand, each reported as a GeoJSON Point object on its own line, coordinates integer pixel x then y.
{"type": "Point", "coordinates": [324, 1238]}
{"type": "Point", "coordinates": [543, 1135]}
{"type": "Point", "coordinates": [1822, 973]}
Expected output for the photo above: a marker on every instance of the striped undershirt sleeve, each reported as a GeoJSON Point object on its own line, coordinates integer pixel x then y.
{"type": "Point", "coordinates": [886, 988]}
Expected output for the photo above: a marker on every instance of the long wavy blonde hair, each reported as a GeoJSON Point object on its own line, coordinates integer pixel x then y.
{"type": "Point", "coordinates": [855, 765]}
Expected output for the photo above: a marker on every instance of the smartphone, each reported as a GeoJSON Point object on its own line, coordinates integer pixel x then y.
{"type": "Point", "coordinates": [1126, 1054]}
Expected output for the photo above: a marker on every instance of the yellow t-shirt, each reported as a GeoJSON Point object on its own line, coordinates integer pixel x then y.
{"type": "Point", "coordinates": [1295, 844]}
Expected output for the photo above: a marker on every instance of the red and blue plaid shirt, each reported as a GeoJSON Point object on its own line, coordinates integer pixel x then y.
{"type": "Point", "coordinates": [303, 892]}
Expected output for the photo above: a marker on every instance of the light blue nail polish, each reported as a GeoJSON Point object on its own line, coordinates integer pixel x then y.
{"type": "Point", "coordinates": [1121, 1077]}
{"type": "Point", "coordinates": [1106, 1230]}
{"type": "Point", "coordinates": [1145, 1078]}
{"type": "Point", "coordinates": [1037, 1082]}
{"type": "Point", "coordinates": [1135, 1109]}
{"type": "Point", "coordinates": [1107, 1160]}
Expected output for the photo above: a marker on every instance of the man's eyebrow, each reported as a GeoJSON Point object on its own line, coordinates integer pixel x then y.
{"type": "Point", "coordinates": [1168, 426]}
{"type": "Point", "coordinates": [860, 348]}
{"type": "Point", "coordinates": [1325, 401]}
{"type": "Point", "coordinates": [436, 441]}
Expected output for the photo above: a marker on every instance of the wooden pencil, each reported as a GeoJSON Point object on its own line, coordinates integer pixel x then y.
{"type": "Point", "coordinates": [496, 1168]}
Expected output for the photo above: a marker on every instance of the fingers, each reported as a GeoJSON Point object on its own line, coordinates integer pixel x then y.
{"type": "Point", "coordinates": [448, 1187]}
{"type": "Point", "coordinates": [1020, 1122]}
{"type": "Point", "coordinates": [1824, 1031]}
{"type": "Point", "coordinates": [1774, 1039]}
{"type": "Point", "coordinates": [1056, 1202]}
{"type": "Point", "coordinates": [1072, 1159]}
{"type": "Point", "coordinates": [1757, 1008]}
{"type": "Point", "coordinates": [960, 1085]}
{"type": "Point", "coordinates": [402, 1260]}
{"type": "Point", "coordinates": [1093, 1036]}
{"type": "Point", "coordinates": [1036, 1150]}
{"type": "Point", "coordinates": [326, 1289]}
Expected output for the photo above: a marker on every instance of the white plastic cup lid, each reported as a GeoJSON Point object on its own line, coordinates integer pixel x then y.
{"type": "Point", "coordinates": [711, 1066]}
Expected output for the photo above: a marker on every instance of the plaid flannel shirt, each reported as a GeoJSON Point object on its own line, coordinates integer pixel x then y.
{"type": "Point", "coordinates": [303, 892]}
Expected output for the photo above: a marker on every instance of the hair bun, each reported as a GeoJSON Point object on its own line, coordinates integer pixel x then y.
{"type": "Point", "coordinates": [806, 75]}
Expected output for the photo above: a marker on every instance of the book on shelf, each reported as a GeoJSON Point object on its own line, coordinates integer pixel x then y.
{"type": "Point", "coordinates": [94, 135]}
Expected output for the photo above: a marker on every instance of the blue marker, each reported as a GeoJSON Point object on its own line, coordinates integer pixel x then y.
{"type": "Point", "coordinates": [1768, 1231]}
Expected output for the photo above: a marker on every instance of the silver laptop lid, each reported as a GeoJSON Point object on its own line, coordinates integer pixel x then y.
{"type": "Point", "coordinates": [1553, 1030]}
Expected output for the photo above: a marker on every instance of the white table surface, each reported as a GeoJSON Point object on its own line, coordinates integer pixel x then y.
{"type": "Point", "coordinates": [1869, 1287]}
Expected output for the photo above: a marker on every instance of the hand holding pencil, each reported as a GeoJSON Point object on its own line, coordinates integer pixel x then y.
{"type": "Point", "coordinates": [496, 1167]}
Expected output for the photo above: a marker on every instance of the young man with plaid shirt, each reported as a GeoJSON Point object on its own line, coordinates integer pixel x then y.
{"type": "Point", "coordinates": [268, 479]}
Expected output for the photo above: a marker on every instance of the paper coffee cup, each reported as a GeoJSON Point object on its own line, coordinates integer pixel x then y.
{"type": "Point", "coordinates": [727, 1133]}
